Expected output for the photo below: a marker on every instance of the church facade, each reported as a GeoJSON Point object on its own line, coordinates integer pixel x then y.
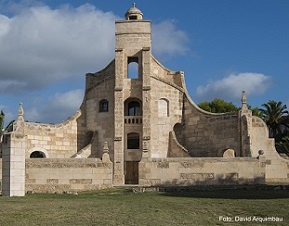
{"type": "Point", "coordinates": [138, 125]}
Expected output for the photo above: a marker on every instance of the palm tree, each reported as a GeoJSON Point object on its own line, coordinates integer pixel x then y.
{"type": "Point", "coordinates": [275, 114]}
{"type": "Point", "coordinates": [282, 146]}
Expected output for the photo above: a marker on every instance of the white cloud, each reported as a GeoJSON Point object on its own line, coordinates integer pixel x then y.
{"type": "Point", "coordinates": [42, 45]}
{"type": "Point", "coordinates": [231, 87]}
{"type": "Point", "coordinates": [168, 40]}
{"type": "Point", "coordinates": [57, 108]}
{"type": "Point", "coordinates": [12, 86]}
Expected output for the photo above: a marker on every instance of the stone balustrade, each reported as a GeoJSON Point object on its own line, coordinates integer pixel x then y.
{"type": "Point", "coordinates": [132, 119]}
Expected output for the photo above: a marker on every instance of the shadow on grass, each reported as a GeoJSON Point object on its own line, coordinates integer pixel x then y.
{"type": "Point", "coordinates": [279, 192]}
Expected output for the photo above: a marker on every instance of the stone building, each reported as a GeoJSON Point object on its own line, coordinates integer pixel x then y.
{"type": "Point", "coordinates": [138, 125]}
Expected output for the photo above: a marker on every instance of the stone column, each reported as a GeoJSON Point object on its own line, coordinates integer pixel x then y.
{"type": "Point", "coordinates": [146, 96]}
{"type": "Point", "coordinates": [13, 165]}
{"type": "Point", "coordinates": [13, 159]}
{"type": "Point", "coordinates": [118, 160]}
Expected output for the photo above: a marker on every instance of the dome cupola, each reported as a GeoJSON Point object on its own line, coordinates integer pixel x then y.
{"type": "Point", "coordinates": [133, 13]}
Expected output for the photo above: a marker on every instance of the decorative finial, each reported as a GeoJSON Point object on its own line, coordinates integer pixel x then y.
{"type": "Point", "coordinates": [133, 4]}
{"type": "Point", "coordinates": [105, 155]}
{"type": "Point", "coordinates": [20, 117]}
{"type": "Point", "coordinates": [105, 148]}
{"type": "Point", "coordinates": [244, 101]}
{"type": "Point", "coordinates": [20, 109]}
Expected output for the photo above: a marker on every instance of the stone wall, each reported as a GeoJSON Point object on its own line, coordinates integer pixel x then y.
{"type": "Point", "coordinates": [202, 171]}
{"type": "Point", "coordinates": [67, 175]}
{"type": "Point", "coordinates": [277, 167]}
{"type": "Point", "coordinates": [206, 134]}
{"type": "Point", "coordinates": [55, 141]}
{"type": "Point", "coordinates": [99, 123]}
{"type": "Point", "coordinates": [137, 31]}
{"type": "Point", "coordinates": [165, 112]}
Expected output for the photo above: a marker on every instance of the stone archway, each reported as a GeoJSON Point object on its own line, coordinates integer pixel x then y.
{"type": "Point", "coordinates": [37, 152]}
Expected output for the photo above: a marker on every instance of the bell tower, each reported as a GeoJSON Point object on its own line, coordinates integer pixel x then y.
{"type": "Point", "coordinates": [131, 94]}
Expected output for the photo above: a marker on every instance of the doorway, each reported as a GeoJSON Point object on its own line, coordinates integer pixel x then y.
{"type": "Point", "coordinates": [131, 172]}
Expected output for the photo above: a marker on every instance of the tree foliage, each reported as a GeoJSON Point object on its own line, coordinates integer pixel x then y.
{"type": "Point", "coordinates": [1, 121]}
{"type": "Point", "coordinates": [275, 114]}
{"type": "Point", "coordinates": [282, 146]}
{"type": "Point", "coordinates": [218, 106]}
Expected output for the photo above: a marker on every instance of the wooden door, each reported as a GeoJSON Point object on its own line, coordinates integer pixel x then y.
{"type": "Point", "coordinates": [131, 172]}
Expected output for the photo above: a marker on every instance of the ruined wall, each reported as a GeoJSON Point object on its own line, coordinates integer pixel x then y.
{"type": "Point", "coordinates": [100, 124]}
{"type": "Point", "coordinates": [277, 168]}
{"type": "Point", "coordinates": [202, 171]}
{"type": "Point", "coordinates": [67, 175]}
{"type": "Point", "coordinates": [94, 79]}
{"type": "Point", "coordinates": [207, 135]}
{"type": "Point", "coordinates": [55, 141]}
{"type": "Point", "coordinates": [166, 109]}
{"type": "Point", "coordinates": [175, 148]}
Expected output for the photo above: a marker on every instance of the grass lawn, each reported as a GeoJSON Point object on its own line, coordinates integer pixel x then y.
{"type": "Point", "coordinates": [123, 207]}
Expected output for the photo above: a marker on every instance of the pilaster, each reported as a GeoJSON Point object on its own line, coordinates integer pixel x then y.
{"type": "Point", "coordinates": [118, 171]}
{"type": "Point", "coordinates": [146, 96]}
{"type": "Point", "coordinates": [13, 165]}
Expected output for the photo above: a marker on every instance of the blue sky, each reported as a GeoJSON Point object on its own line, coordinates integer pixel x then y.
{"type": "Point", "coordinates": [223, 46]}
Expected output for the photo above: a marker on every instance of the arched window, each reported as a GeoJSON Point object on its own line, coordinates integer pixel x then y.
{"type": "Point", "coordinates": [132, 68]}
{"type": "Point", "coordinates": [134, 108]}
{"type": "Point", "coordinates": [103, 106]}
{"type": "Point", "coordinates": [133, 141]}
{"type": "Point", "coordinates": [37, 154]}
{"type": "Point", "coordinates": [163, 108]}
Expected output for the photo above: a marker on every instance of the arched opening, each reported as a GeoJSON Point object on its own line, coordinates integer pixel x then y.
{"type": "Point", "coordinates": [133, 111]}
{"type": "Point", "coordinates": [134, 108]}
{"type": "Point", "coordinates": [103, 106]}
{"type": "Point", "coordinates": [133, 68]}
{"type": "Point", "coordinates": [133, 141]}
{"type": "Point", "coordinates": [37, 154]}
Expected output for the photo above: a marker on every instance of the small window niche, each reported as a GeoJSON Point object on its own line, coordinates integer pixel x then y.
{"type": "Point", "coordinates": [132, 17]}
{"type": "Point", "coordinates": [133, 68]}
{"type": "Point", "coordinates": [103, 106]}
{"type": "Point", "coordinates": [163, 108]}
{"type": "Point", "coordinates": [133, 141]}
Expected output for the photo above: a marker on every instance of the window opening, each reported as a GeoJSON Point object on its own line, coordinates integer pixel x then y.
{"type": "Point", "coordinates": [37, 154]}
{"type": "Point", "coordinates": [133, 141]}
{"type": "Point", "coordinates": [103, 106]}
{"type": "Point", "coordinates": [133, 69]}
{"type": "Point", "coordinates": [132, 17]}
{"type": "Point", "coordinates": [134, 108]}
